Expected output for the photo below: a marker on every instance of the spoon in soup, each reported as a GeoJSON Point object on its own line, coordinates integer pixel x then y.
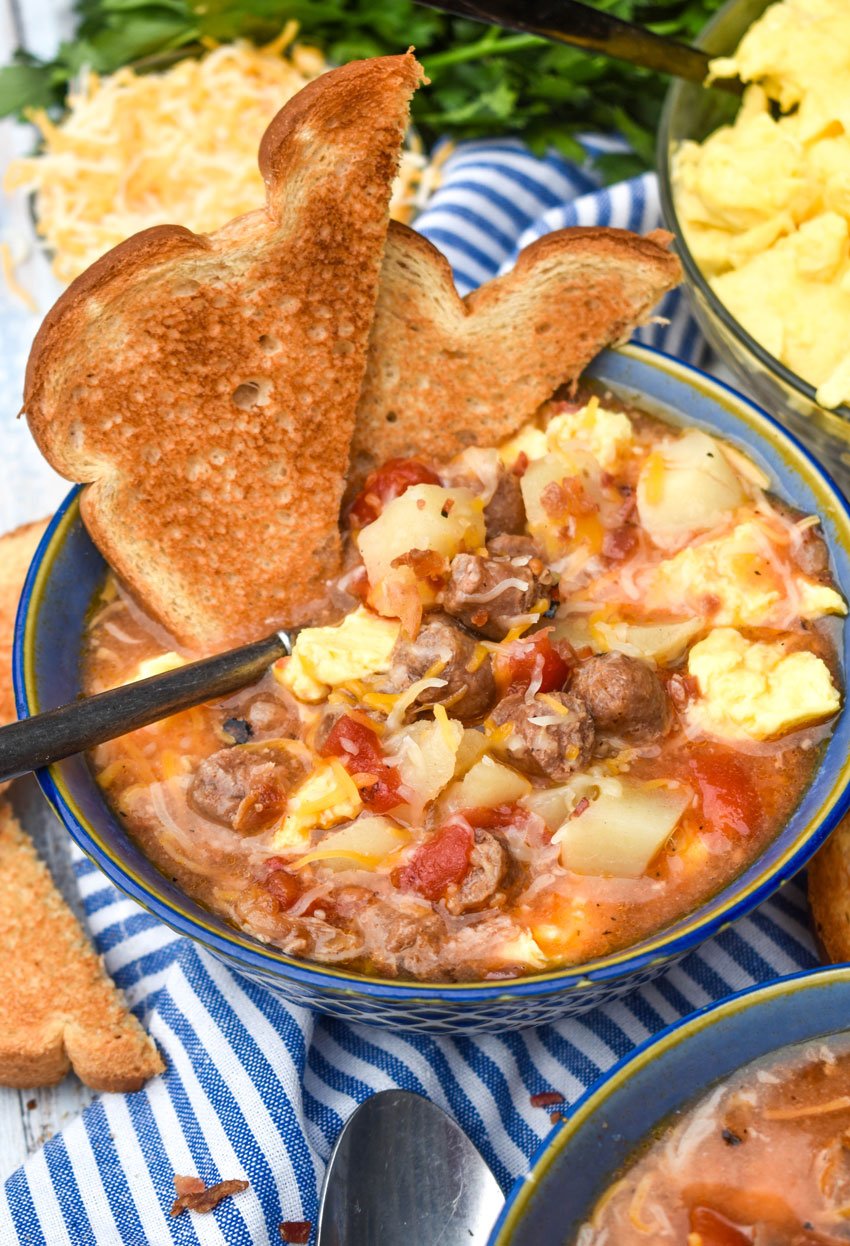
{"type": "Point", "coordinates": [69, 729]}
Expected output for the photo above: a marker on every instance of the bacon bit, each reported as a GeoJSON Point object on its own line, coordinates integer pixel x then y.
{"type": "Point", "coordinates": [447, 508]}
{"type": "Point", "coordinates": [193, 1194]}
{"type": "Point", "coordinates": [545, 1099]}
{"type": "Point", "coordinates": [582, 805]}
{"type": "Point", "coordinates": [426, 564]}
{"type": "Point", "coordinates": [295, 1232]}
{"type": "Point", "coordinates": [479, 618]}
{"type": "Point", "coordinates": [189, 1185]}
{"type": "Point", "coordinates": [420, 504]}
{"type": "Point", "coordinates": [520, 466]}
{"type": "Point", "coordinates": [281, 885]}
{"type": "Point", "coordinates": [619, 543]}
{"type": "Point", "coordinates": [556, 1117]}
{"type": "Point", "coordinates": [398, 596]}
{"type": "Point", "coordinates": [567, 499]}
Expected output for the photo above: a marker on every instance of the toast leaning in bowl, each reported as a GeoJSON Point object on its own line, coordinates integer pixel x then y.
{"type": "Point", "coordinates": [208, 388]}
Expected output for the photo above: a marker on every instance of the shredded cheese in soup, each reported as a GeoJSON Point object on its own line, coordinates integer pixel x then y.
{"type": "Point", "coordinates": [567, 688]}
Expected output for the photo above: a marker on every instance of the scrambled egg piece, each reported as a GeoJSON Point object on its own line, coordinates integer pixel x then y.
{"type": "Point", "coordinates": [530, 441]}
{"type": "Point", "coordinates": [754, 690]}
{"type": "Point", "coordinates": [593, 428]}
{"type": "Point", "coordinates": [733, 581]}
{"type": "Point", "coordinates": [601, 432]}
{"type": "Point", "coordinates": [323, 657]}
{"type": "Point", "coordinates": [327, 796]}
{"type": "Point", "coordinates": [157, 666]}
{"type": "Point", "coordinates": [765, 204]}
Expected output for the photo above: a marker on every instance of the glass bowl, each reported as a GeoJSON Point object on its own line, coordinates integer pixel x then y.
{"type": "Point", "coordinates": [692, 112]}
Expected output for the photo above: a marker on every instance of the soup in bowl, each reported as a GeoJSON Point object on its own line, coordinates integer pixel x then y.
{"type": "Point", "coordinates": [576, 703]}
{"type": "Point", "coordinates": [727, 1129]}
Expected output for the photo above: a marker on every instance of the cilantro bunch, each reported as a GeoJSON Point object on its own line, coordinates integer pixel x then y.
{"type": "Point", "coordinates": [484, 80]}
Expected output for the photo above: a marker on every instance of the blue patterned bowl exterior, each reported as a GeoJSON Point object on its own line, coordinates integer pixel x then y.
{"type": "Point", "coordinates": [67, 570]}
{"type": "Point", "coordinates": [691, 112]}
{"type": "Point", "coordinates": [548, 1205]}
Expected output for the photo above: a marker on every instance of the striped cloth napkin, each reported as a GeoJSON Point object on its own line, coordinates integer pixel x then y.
{"type": "Point", "coordinates": [258, 1090]}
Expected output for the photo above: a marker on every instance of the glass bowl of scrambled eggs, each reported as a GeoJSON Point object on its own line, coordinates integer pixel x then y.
{"type": "Point", "coordinates": [758, 194]}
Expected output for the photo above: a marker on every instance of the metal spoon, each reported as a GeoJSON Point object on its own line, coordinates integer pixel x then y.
{"type": "Point", "coordinates": [567, 21]}
{"type": "Point", "coordinates": [49, 737]}
{"type": "Point", "coordinates": [403, 1173]}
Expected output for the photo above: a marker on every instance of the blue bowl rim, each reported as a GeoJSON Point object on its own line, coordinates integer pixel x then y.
{"type": "Point", "coordinates": [579, 978]}
{"type": "Point", "coordinates": [603, 1089]}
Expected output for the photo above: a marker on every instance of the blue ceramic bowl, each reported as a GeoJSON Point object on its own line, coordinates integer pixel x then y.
{"type": "Point", "coordinates": [66, 572]}
{"type": "Point", "coordinates": [548, 1206]}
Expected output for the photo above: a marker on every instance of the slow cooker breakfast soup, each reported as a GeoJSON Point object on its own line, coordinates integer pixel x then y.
{"type": "Point", "coordinates": [567, 689]}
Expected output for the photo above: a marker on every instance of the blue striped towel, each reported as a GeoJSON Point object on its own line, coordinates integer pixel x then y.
{"type": "Point", "coordinates": [259, 1090]}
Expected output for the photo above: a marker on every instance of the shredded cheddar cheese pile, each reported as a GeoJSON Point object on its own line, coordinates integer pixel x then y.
{"type": "Point", "coordinates": [177, 147]}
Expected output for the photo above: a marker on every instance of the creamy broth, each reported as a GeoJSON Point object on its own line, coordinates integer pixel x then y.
{"type": "Point", "coordinates": [762, 1159]}
{"type": "Point", "coordinates": [576, 685]}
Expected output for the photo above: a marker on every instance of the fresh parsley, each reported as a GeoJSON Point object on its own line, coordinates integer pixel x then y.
{"type": "Point", "coordinates": [483, 80]}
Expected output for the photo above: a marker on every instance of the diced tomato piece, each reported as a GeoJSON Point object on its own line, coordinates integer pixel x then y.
{"type": "Point", "coordinates": [716, 1230]}
{"type": "Point", "coordinates": [280, 883]}
{"type": "Point", "coordinates": [386, 483]}
{"type": "Point", "coordinates": [485, 818]}
{"type": "Point", "coordinates": [443, 860]}
{"type": "Point", "coordinates": [730, 799]}
{"type": "Point", "coordinates": [517, 664]}
{"type": "Point", "coordinates": [358, 748]}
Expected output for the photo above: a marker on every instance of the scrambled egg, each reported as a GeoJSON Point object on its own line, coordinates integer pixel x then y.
{"type": "Point", "coordinates": [602, 433]}
{"type": "Point", "coordinates": [765, 204]}
{"type": "Point", "coordinates": [323, 657]}
{"type": "Point", "coordinates": [755, 690]}
{"type": "Point", "coordinates": [157, 666]}
{"type": "Point", "coordinates": [734, 581]}
{"type": "Point", "coordinates": [327, 796]}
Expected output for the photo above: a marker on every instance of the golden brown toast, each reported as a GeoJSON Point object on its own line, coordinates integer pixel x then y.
{"type": "Point", "coordinates": [58, 1008]}
{"type": "Point", "coordinates": [829, 893]}
{"type": "Point", "coordinates": [16, 553]}
{"type": "Point", "coordinates": [445, 372]}
{"type": "Point", "coordinates": [206, 386]}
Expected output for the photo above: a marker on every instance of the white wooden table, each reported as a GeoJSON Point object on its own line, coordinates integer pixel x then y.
{"type": "Point", "coordinates": [29, 1117]}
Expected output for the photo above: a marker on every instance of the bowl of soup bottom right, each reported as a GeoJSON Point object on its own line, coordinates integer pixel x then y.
{"type": "Point", "coordinates": [729, 1128]}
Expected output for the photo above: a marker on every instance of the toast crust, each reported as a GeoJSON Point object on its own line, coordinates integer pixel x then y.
{"type": "Point", "coordinates": [205, 388]}
{"type": "Point", "coordinates": [829, 893]}
{"type": "Point", "coordinates": [445, 372]}
{"type": "Point", "coordinates": [58, 1008]}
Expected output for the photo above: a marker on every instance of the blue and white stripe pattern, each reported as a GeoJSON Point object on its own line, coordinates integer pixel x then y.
{"type": "Point", "coordinates": [258, 1089]}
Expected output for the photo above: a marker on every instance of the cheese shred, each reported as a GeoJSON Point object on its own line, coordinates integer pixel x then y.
{"type": "Point", "coordinates": [176, 147]}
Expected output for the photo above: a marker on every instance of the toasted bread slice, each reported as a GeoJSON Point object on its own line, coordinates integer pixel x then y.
{"type": "Point", "coordinates": [16, 553]}
{"type": "Point", "coordinates": [829, 893]}
{"type": "Point", "coordinates": [58, 1008]}
{"type": "Point", "coordinates": [206, 387]}
{"type": "Point", "coordinates": [445, 372]}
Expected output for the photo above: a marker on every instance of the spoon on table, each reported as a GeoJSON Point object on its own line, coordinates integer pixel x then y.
{"type": "Point", "coordinates": [49, 737]}
{"type": "Point", "coordinates": [568, 21]}
{"type": "Point", "coordinates": [403, 1173]}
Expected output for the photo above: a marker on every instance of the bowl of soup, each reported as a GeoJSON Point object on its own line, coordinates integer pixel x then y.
{"type": "Point", "coordinates": [754, 197]}
{"type": "Point", "coordinates": [599, 719]}
{"type": "Point", "coordinates": [728, 1128]}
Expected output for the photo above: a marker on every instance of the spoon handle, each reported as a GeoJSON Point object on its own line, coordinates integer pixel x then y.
{"type": "Point", "coordinates": [568, 21]}
{"type": "Point", "coordinates": [51, 736]}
